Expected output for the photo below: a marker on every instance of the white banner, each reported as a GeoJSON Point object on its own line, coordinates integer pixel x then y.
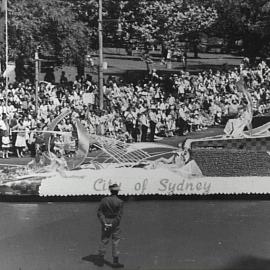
{"type": "Point", "coordinates": [148, 182]}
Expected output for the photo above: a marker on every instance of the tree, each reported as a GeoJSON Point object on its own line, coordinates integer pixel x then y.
{"type": "Point", "coordinates": [246, 20]}
{"type": "Point", "coordinates": [68, 28]}
{"type": "Point", "coordinates": [165, 21]}
{"type": "Point", "coordinates": [52, 25]}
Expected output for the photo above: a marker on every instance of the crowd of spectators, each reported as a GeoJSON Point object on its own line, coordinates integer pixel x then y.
{"type": "Point", "coordinates": [154, 107]}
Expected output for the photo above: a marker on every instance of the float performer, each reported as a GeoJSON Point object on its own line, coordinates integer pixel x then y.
{"type": "Point", "coordinates": [110, 213]}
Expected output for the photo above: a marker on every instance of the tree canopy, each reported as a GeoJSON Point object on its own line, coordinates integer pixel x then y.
{"type": "Point", "coordinates": [52, 25]}
{"type": "Point", "coordinates": [68, 28]}
{"type": "Point", "coordinates": [246, 20]}
{"type": "Point", "coordinates": [165, 21]}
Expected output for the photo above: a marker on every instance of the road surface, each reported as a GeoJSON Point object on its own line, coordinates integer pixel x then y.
{"type": "Point", "coordinates": [156, 234]}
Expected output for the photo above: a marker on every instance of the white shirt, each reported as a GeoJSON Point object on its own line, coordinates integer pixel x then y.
{"type": "Point", "coordinates": [153, 117]}
{"type": "Point", "coordinates": [87, 98]}
{"type": "Point", "coordinates": [2, 125]}
{"type": "Point", "coordinates": [144, 121]}
{"type": "Point", "coordinates": [182, 114]}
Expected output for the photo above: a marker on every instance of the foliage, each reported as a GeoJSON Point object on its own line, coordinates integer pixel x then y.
{"type": "Point", "coordinates": [52, 25]}
{"type": "Point", "coordinates": [246, 20]}
{"type": "Point", "coordinates": [68, 28]}
{"type": "Point", "coordinates": [165, 21]}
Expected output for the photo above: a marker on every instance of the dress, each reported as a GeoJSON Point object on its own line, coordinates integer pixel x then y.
{"type": "Point", "coordinates": [21, 137]}
{"type": "Point", "coordinates": [5, 141]}
{"type": "Point", "coordinates": [5, 137]}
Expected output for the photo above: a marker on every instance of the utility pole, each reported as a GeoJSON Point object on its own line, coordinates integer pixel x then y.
{"type": "Point", "coordinates": [36, 79]}
{"type": "Point", "coordinates": [100, 70]}
{"type": "Point", "coordinates": [6, 38]}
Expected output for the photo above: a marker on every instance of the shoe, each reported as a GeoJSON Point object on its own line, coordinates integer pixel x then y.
{"type": "Point", "coordinates": [100, 260]}
{"type": "Point", "coordinates": [116, 263]}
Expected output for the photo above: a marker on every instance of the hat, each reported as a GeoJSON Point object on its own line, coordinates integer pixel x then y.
{"type": "Point", "coordinates": [114, 187]}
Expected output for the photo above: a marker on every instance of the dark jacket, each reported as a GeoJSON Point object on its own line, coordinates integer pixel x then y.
{"type": "Point", "coordinates": [110, 210]}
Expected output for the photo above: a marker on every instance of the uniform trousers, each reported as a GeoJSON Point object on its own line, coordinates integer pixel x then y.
{"type": "Point", "coordinates": [114, 234]}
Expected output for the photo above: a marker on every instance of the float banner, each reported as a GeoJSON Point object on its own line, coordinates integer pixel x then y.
{"type": "Point", "coordinates": [148, 182]}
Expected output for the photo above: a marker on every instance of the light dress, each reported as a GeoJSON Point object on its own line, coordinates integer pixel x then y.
{"type": "Point", "coordinates": [5, 140]}
{"type": "Point", "coordinates": [21, 136]}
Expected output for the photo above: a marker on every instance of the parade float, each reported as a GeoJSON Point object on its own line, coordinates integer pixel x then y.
{"type": "Point", "coordinates": [236, 162]}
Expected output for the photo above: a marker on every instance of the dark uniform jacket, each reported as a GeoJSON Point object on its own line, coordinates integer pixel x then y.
{"type": "Point", "coordinates": [110, 210]}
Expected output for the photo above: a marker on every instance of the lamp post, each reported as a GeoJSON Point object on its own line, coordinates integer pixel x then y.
{"type": "Point", "coordinates": [100, 43]}
{"type": "Point", "coordinates": [5, 6]}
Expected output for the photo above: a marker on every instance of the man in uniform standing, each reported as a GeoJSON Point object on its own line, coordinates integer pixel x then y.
{"type": "Point", "coordinates": [110, 213]}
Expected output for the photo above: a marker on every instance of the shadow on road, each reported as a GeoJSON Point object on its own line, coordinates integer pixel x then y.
{"type": "Point", "coordinates": [249, 263]}
{"type": "Point", "coordinates": [95, 259]}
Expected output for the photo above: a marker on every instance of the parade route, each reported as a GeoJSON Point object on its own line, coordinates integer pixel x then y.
{"type": "Point", "coordinates": [156, 234]}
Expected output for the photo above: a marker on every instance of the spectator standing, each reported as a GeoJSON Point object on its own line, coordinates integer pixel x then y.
{"type": "Point", "coordinates": [5, 143]}
{"type": "Point", "coordinates": [153, 122]}
{"type": "Point", "coordinates": [182, 120]}
{"type": "Point", "coordinates": [92, 100]}
{"type": "Point", "coordinates": [20, 143]}
{"type": "Point", "coordinates": [171, 100]}
{"type": "Point", "coordinates": [144, 122]}
{"type": "Point", "coordinates": [2, 128]}
{"type": "Point", "coordinates": [102, 123]}
{"type": "Point", "coordinates": [5, 135]}
{"type": "Point", "coordinates": [49, 76]}
{"type": "Point", "coordinates": [63, 78]}
{"type": "Point", "coordinates": [129, 121]}
{"type": "Point", "coordinates": [137, 128]}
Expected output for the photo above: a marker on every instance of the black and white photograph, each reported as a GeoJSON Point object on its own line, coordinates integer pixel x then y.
{"type": "Point", "coordinates": [135, 134]}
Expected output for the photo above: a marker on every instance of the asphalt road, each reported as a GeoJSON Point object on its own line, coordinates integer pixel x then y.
{"type": "Point", "coordinates": [170, 234]}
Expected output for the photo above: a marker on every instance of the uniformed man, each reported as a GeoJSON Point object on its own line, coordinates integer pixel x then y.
{"type": "Point", "coordinates": [110, 213]}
